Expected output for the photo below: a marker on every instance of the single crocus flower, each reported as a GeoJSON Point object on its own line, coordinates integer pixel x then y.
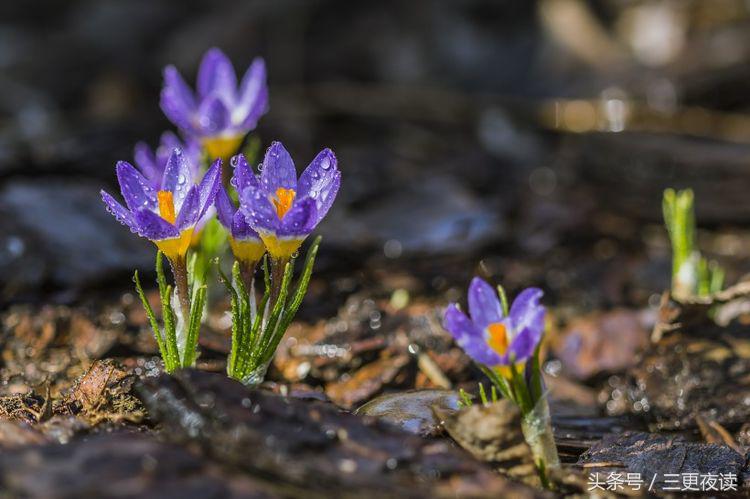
{"type": "Point", "coordinates": [284, 210]}
{"type": "Point", "coordinates": [219, 114]}
{"type": "Point", "coordinates": [166, 215]}
{"type": "Point", "coordinates": [152, 162]}
{"type": "Point", "coordinates": [488, 336]}
{"type": "Point", "coordinates": [245, 242]}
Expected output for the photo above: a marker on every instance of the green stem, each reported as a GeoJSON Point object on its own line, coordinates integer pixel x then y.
{"type": "Point", "coordinates": [277, 277]}
{"type": "Point", "coordinates": [179, 270]}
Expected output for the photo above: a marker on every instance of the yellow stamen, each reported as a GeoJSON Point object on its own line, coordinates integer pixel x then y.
{"type": "Point", "coordinates": [248, 250]}
{"type": "Point", "coordinates": [283, 201]}
{"type": "Point", "coordinates": [498, 337]}
{"type": "Point", "coordinates": [498, 341]}
{"type": "Point", "coordinates": [222, 146]}
{"type": "Point", "coordinates": [166, 206]}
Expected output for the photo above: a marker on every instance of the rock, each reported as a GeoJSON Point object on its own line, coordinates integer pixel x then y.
{"type": "Point", "coordinates": [412, 410]}
{"type": "Point", "coordinates": [658, 455]}
{"type": "Point", "coordinates": [64, 225]}
{"type": "Point", "coordinates": [306, 447]}
{"type": "Point", "coordinates": [121, 465]}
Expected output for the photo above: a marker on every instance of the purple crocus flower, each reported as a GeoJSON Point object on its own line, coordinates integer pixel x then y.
{"type": "Point", "coordinates": [219, 114]}
{"type": "Point", "coordinates": [492, 339]}
{"type": "Point", "coordinates": [152, 162]}
{"type": "Point", "coordinates": [167, 215]}
{"type": "Point", "coordinates": [246, 244]}
{"type": "Point", "coordinates": [284, 210]}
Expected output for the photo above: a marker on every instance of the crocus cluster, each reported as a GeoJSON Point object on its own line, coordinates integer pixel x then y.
{"type": "Point", "coordinates": [168, 198]}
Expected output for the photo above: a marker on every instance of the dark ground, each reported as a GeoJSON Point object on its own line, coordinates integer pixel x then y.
{"type": "Point", "coordinates": [513, 140]}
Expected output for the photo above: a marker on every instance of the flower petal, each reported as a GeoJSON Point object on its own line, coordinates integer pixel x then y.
{"type": "Point", "coordinates": [177, 100]}
{"type": "Point", "coordinates": [469, 337]}
{"type": "Point", "coordinates": [224, 207]}
{"type": "Point", "coordinates": [216, 76]}
{"type": "Point", "coordinates": [209, 186]}
{"type": "Point", "coordinates": [258, 210]}
{"type": "Point", "coordinates": [484, 304]}
{"type": "Point", "coordinates": [153, 227]}
{"type": "Point", "coordinates": [122, 214]}
{"type": "Point", "coordinates": [147, 163]}
{"type": "Point", "coordinates": [241, 230]}
{"type": "Point", "coordinates": [136, 190]}
{"type": "Point", "coordinates": [321, 181]}
{"type": "Point", "coordinates": [190, 210]}
{"type": "Point", "coordinates": [213, 116]}
{"type": "Point", "coordinates": [523, 345]}
{"type": "Point", "coordinates": [252, 100]}
{"type": "Point", "coordinates": [243, 175]}
{"type": "Point", "coordinates": [178, 177]}
{"type": "Point", "coordinates": [526, 312]}
{"type": "Point", "coordinates": [300, 220]}
{"type": "Point", "coordinates": [278, 169]}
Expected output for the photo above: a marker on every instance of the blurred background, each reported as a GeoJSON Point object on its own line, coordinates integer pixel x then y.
{"type": "Point", "coordinates": [527, 141]}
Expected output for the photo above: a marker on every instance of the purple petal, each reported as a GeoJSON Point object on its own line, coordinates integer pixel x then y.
{"type": "Point", "coordinates": [224, 207]}
{"type": "Point", "coordinates": [469, 337]}
{"type": "Point", "coordinates": [243, 176]}
{"type": "Point", "coordinates": [278, 169]}
{"type": "Point", "coordinates": [178, 177]}
{"type": "Point", "coordinates": [241, 230]}
{"type": "Point", "coordinates": [122, 214]}
{"type": "Point", "coordinates": [213, 116]}
{"type": "Point", "coordinates": [258, 209]}
{"type": "Point", "coordinates": [300, 220]}
{"type": "Point", "coordinates": [484, 305]}
{"type": "Point", "coordinates": [190, 210]}
{"type": "Point", "coordinates": [524, 344]}
{"type": "Point", "coordinates": [209, 186]}
{"type": "Point", "coordinates": [177, 100]}
{"type": "Point", "coordinates": [526, 312]}
{"type": "Point", "coordinates": [216, 76]}
{"type": "Point", "coordinates": [253, 95]}
{"type": "Point", "coordinates": [136, 190]}
{"type": "Point", "coordinates": [153, 227]}
{"type": "Point", "coordinates": [321, 181]}
{"type": "Point", "coordinates": [146, 162]}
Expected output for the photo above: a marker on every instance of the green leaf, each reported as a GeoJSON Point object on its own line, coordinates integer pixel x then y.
{"type": "Point", "coordinates": [536, 376]}
{"type": "Point", "coordinates": [270, 333]}
{"type": "Point", "coordinates": [482, 394]}
{"type": "Point", "coordinates": [170, 325]}
{"type": "Point", "coordinates": [194, 324]}
{"type": "Point", "coordinates": [154, 324]}
{"type": "Point", "coordinates": [503, 299]}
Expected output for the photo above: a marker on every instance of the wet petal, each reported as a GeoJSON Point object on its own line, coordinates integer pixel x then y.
{"type": "Point", "coordinates": [241, 229]}
{"type": "Point", "coordinates": [209, 186]}
{"type": "Point", "coordinates": [300, 220]}
{"type": "Point", "coordinates": [243, 175]}
{"type": "Point", "coordinates": [278, 169]}
{"type": "Point", "coordinates": [484, 304]}
{"type": "Point", "coordinates": [190, 211]}
{"type": "Point", "coordinates": [469, 337]}
{"type": "Point", "coordinates": [320, 181]}
{"type": "Point", "coordinates": [259, 212]}
{"type": "Point", "coordinates": [136, 190]}
{"type": "Point", "coordinates": [122, 214]}
{"type": "Point", "coordinates": [178, 177]}
{"type": "Point", "coordinates": [153, 227]}
{"type": "Point", "coordinates": [224, 207]}
{"type": "Point", "coordinates": [216, 76]}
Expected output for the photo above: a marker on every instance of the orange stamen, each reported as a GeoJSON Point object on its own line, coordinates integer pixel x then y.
{"type": "Point", "coordinates": [498, 340]}
{"type": "Point", "coordinates": [166, 206]}
{"type": "Point", "coordinates": [283, 200]}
